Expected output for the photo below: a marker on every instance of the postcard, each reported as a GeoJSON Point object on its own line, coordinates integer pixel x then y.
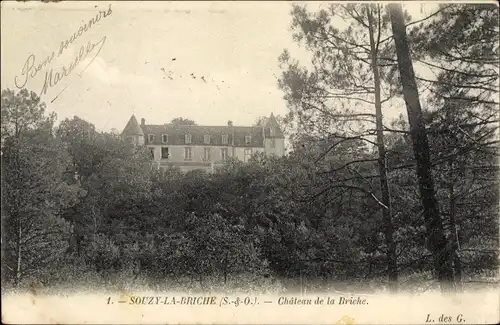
{"type": "Point", "coordinates": [250, 162]}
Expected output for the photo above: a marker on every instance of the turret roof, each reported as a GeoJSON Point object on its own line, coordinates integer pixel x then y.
{"type": "Point", "coordinates": [271, 122]}
{"type": "Point", "coordinates": [132, 127]}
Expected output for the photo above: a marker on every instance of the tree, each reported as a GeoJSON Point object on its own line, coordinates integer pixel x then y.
{"type": "Point", "coordinates": [22, 111]}
{"type": "Point", "coordinates": [331, 102]}
{"type": "Point", "coordinates": [462, 168]}
{"type": "Point", "coordinates": [437, 242]}
{"type": "Point", "coordinates": [465, 91]}
{"type": "Point", "coordinates": [182, 121]}
{"type": "Point", "coordinates": [33, 191]}
{"type": "Point", "coordinates": [463, 52]}
{"type": "Point", "coordinates": [80, 137]}
{"type": "Point", "coordinates": [99, 162]}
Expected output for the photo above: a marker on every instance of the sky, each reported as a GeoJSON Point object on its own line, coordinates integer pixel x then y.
{"type": "Point", "coordinates": [207, 61]}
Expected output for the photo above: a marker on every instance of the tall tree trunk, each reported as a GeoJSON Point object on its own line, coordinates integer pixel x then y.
{"type": "Point", "coordinates": [457, 263]}
{"type": "Point", "coordinates": [436, 240]}
{"type": "Point", "coordinates": [18, 251]}
{"type": "Point", "coordinates": [17, 215]}
{"type": "Point", "coordinates": [392, 266]}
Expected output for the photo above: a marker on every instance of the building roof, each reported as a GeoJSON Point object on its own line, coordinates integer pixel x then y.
{"type": "Point", "coordinates": [176, 134]}
{"type": "Point", "coordinates": [272, 124]}
{"type": "Point", "coordinates": [132, 127]}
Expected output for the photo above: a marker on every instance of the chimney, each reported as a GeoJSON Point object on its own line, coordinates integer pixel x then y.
{"type": "Point", "coordinates": [143, 121]}
{"type": "Point", "coordinates": [229, 123]}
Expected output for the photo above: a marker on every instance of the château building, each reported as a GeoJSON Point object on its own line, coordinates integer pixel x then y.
{"type": "Point", "coordinates": [204, 147]}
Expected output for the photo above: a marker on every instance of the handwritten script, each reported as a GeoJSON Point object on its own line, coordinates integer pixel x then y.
{"type": "Point", "coordinates": [32, 68]}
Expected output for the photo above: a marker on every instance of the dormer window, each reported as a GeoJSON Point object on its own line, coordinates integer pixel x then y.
{"type": "Point", "coordinates": [151, 138]}
{"type": "Point", "coordinates": [248, 139]}
{"type": "Point", "coordinates": [187, 138]}
{"type": "Point", "coordinates": [206, 139]}
{"type": "Point", "coordinates": [164, 138]}
{"type": "Point", "coordinates": [225, 139]}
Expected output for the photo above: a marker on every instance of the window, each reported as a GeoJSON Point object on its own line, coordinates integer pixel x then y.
{"type": "Point", "coordinates": [206, 139]}
{"type": "Point", "coordinates": [130, 140]}
{"type": "Point", "coordinates": [151, 138]}
{"type": "Point", "coordinates": [224, 138]}
{"type": "Point", "coordinates": [152, 151]}
{"type": "Point", "coordinates": [248, 154]}
{"type": "Point", "coordinates": [223, 153]}
{"type": "Point", "coordinates": [207, 153]}
{"type": "Point", "coordinates": [188, 138]}
{"type": "Point", "coordinates": [248, 139]}
{"type": "Point", "coordinates": [271, 131]}
{"type": "Point", "coordinates": [164, 138]}
{"type": "Point", "coordinates": [187, 153]}
{"type": "Point", "coordinates": [272, 143]}
{"type": "Point", "coordinates": [164, 153]}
